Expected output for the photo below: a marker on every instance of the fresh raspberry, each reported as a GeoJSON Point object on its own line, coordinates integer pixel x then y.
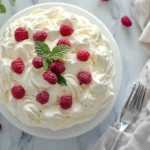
{"type": "Point", "coordinates": [50, 77]}
{"type": "Point", "coordinates": [42, 97]}
{"type": "Point", "coordinates": [65, 102]}
{"type": "Point", "coordinates": [21, 34]}
{"type": "Point", "coordinates": [18, 91]}
{"type": "Point", "coordinates": [126, 21]}
{"type": "Point", "coordinates": [57, 67]}
{"type": "Point", "coordinates": [0, 126]}
{"type": "Point", "coordinates": [64, 41]}
{"type": "Point", "coordinates": [66, 30]}
{"type": "Point", "coordinates": [37, 62]}
{"type": "Point", "coordinates": [18, 66]}
{"type": "Point", "coordinates": [83, 55]}
{"type": "Point", "coordinates": [84, 77]}
{"type": "Point", "coordinates": [40, 36]}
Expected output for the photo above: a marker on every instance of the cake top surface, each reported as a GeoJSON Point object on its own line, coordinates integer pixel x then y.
{"type": "Point", "coordinates": [56, 69]}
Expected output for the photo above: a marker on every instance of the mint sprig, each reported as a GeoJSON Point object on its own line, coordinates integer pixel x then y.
{"type": "Point", "coordinates": [42, 49]}
{"type": "Point", "coordinates": [61, 80]}
{"type": "Point", "coordinates": [12, 2]}
{"type": "Point", "coordinates": [2, 8]}
{"type": "Point", "coordinates": [46, 64]}
{"type": "Point", "coordinates": [57, 52]}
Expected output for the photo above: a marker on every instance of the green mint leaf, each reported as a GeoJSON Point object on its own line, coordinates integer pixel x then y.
{"type": "Point", "coordinates": [12, 2]}
{"type": "Point", "coordinates": [61, 80]}
{"type": "Point", "coordinates": [42, 49]}
{"type": "Point", "coordinates": [2, 8]}
{"type": "Point", "coordinates": [46, 64]}
{"type": "Point", "coordinates": [59, 51]}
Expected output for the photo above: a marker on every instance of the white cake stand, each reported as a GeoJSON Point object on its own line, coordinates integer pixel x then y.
{"type": "Point", "coordinates": [84, 127]}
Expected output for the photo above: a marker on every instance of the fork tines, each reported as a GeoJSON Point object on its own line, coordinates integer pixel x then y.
{"type": "Point", "coordinates": [136, 98]}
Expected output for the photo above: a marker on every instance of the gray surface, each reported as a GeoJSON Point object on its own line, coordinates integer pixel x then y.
{"type": "Point", "coordinates": [133, 58]}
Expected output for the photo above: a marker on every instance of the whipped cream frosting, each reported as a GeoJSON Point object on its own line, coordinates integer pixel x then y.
{"type": "Point", "coordinates": [87, 99]}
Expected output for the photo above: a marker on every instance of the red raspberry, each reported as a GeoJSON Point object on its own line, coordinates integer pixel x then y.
{"type": "Point", "coordinates": [64, 41]}
{"type": "Point", "coordinates": [66, 30]}
{"type": "Point", "coordinates": [126, 21]}
{"type": "Point", "coordinates": [84, 77]}
{"type": "Point", "coordinates": [42, 97]}
{"type": "Point", "coordinates": [37, 62]}
{"type": "Point", "coordinates": [0, 126]}
{"type": "Point", "coordinates": [50, 77]}
{"type": "Point", "coordinates": [40, 36]}
{"type": "Point", "coordinates": [83, 55]}
{"type": "Point", "coordinates": [21, 34]}
{"type": "Point", "coordinates": [18, 66]}
{"type": "Point", "coordinates": [57, 67]}
{"type": "Point", "coordinates": [65, 102]}
{"type": "Point", "coordinates": [18, 91]}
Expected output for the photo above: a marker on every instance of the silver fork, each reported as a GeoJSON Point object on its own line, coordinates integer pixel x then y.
{"type": "Point", "coordinates": [131, 110]}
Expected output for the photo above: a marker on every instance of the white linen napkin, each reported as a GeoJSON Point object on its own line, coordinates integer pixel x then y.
{"type": "Point", "coordinates": [137, 136]}
{"type": "Point", "coordinates": [142, 11]}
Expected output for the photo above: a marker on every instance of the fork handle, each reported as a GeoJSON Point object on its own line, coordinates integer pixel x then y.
{"type": "Point", "coordinates": [116, 140]}
{"type": "Point", "coordinates": [122, 128]}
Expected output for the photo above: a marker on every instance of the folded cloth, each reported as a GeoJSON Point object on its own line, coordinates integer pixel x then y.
{"type": "Point", "coordinates": [142, 11]}
{"type": "Point", "coordinates": [137, 136]}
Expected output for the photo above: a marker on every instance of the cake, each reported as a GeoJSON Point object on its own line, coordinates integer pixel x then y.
{"type": "Point", "coordinates": [56, 67]}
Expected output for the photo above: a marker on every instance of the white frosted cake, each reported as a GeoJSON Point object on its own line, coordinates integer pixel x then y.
{"type": "Point", "coordinates": [56, 69]}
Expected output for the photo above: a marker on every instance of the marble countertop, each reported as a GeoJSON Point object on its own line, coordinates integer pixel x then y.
{"type": "Point", "coordinates": [133, 57]}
